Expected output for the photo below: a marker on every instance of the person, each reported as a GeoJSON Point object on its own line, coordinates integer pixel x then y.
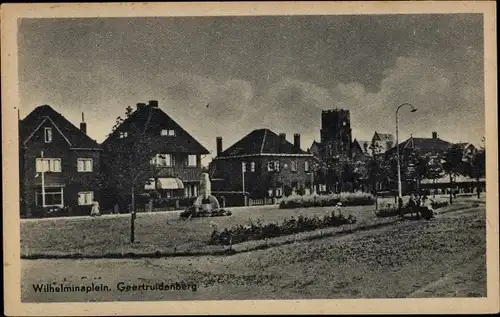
{"type": "Point", "coordinates": [412, 203]}
{"type": "Point", "coordinates": [338, 209]}
{"type": "Point", "coordinates": [95, 209]}
{"type": "Point", "coordinates": [427, 211]}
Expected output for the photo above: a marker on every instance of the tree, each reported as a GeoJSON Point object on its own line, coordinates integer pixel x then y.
{"type": "Point", "coordinates": [453, 164]}
{"type": "Point", "coordinates": [435, 169]}
{"type": "Point", "coordinates": [421, 168]}
{"type": "Point", "coordinates": [130, 157]}
{"type": "Point", "coordinates": [475, 167]}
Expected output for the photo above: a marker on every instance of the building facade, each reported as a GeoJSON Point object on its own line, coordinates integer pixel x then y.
{"type": "Point", "coordinates": [174, 156]}
{"type": "Point", "coordinates": [59, 164]}
{"type": "Point", "coordinates": [262, 164]}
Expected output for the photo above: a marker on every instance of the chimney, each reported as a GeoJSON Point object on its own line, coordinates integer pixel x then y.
{"type": "Point", "coordinates": [141, 105]}
{"type": "Point", "coordinates": [153, 103]}
{"type": "Point", "coordinates": [434, 135]}
{"type": "Point", "coordinates": [83, 125]}
{"type": "Point", "coordinates": [219, 145]}
{"type": "Point", "coordinates": [296, 141]}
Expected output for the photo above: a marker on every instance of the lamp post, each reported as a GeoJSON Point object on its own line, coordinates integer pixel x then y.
{"type": "Point", "coordinates": [400, 195]}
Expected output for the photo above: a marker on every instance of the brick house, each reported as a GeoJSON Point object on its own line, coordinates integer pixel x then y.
{"type": "Point", "coordinates": [263, 164]}
{"type": "Point", "coordinates": [176, 161]}
{"type": "Point", "coordinates": [53, 151]}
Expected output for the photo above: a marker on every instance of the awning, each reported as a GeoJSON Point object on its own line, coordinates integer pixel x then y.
{"type": "Point", "coordinates": [169, 183]}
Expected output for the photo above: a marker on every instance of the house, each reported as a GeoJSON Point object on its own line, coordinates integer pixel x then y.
{"type": "Point", "coordinates": [263, 164]}
{"type": "Point", "coordinates": [175, 155]}
{"type": "Point", "coordinates": [423, 146]}
{"type": "Point", "coordinates": [381, 142]}
{"type": "Point", "coordinates": [360, 151]}
{"type": "Point", "coordinates": [59, 164]}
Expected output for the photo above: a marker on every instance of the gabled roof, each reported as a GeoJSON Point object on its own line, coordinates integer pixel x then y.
{"type": "Point", "coordinates": [75, 137]}
{"type": "Point", "coordinates": [261, 141]}
{"type": "Point", "coordinates": [151, 120]}
{"type": "Point", "coordinates": [384, 136]}
{"type": "Point", "coordinates": [362, 145]}
{"type": "Point", "coordinates": [422, 144]}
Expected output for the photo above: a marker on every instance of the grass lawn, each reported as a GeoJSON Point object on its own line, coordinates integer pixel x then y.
{"type": "Point", "coordinates": [154, 231]}
{"type": "Point", "coordinates": [165, 232]}
{"type": "Point", "coordinates": [390, 262]}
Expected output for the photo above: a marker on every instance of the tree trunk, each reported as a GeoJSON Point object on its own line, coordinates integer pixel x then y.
{"type": "Point", "coordinates": [132, 216]}
{"type": "Point", "coordinates": [451, 190]}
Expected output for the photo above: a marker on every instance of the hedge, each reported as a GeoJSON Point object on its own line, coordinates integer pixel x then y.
{"type": "Point", "coordinates": [347, 199]}
{"type": "Point", "coordinates": [258, 231]}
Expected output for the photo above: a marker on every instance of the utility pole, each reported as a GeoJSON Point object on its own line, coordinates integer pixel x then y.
{"type": "Point", "coordinates": [43, 179]}
{"type": "Point", "coordinates": [243, 170]}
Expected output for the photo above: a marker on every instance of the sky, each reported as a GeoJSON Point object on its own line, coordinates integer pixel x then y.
{"type": "Point", "coordinates": [276, 72]}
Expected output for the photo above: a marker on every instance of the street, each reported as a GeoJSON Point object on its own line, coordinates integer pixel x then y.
{"type": "Point", "coordinates": [441, 257]}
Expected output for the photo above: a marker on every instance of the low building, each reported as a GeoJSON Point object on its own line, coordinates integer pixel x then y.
{"type": "Point", "coordinates": [59, 164]}
{"type": "Point", "coordinates": [262, 164]}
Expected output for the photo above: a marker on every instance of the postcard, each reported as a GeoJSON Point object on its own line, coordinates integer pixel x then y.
{"type": "Point", "coordinates": [250, 158]}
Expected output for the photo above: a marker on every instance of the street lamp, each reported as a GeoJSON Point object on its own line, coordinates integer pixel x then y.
{"type": "Point", "coordinates": [400, 195]}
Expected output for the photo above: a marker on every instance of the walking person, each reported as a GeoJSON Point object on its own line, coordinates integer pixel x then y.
{"type": "Point", "coordinates": [95, 209]}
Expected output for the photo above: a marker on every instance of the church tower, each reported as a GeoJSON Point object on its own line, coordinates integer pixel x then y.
{"type": "Point", "coordinates": [336, 135]}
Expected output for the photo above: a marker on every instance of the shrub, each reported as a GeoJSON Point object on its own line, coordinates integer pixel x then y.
{"type": "Point", "coordinates": [258, 231]}
{"type": "Point", "coordinates": [193, 212]}
{"type": "Point", "coordinates": [347, 199]}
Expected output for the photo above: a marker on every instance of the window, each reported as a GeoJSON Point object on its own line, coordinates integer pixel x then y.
{"type": "Point", "coordinates": [273, 166]}
{"type": "Point", "coordinates": [279, 192]}
{"type": "Point", "coordinates": [48, 165]}
{"type": "Point", "coordinates": [85, 198]}
{"type": "Point", "coordinates": [294, 166]}
{"type": "Point", "coordinates": [123, 135]}
{"type": "Point", "coordinates": [252, 167]}
{"type": "Point", "coordinates": [167, 132]}
{"type": "Point", "coordinates": [162, 160]}
{"type": "Point", "coordinates": [48, 135]}
{"type": "Point", "coordinates": [53, 197]}
{"type": "Point", "coordinates": [192, 160]}
{"type": "Point", "coordinates": [306, 166]}
{"type": "Point", "coordinates": [85, 165]}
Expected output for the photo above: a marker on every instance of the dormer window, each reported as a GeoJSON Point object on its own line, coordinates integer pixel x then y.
{"type": "Point", "coordinates": [167, 132]}
{"type": "Point", "coordinates": [123, 135]}
{"type": "Point", "coordinates": [48, 135]}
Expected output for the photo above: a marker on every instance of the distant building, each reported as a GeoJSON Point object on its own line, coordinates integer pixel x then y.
{"type": "Point", "coordinates": [381, 142]}
{"type": "Point", "coordinates": [177, 162]}
{"type": "Point", "coordinates": [64, 159]}
{"type": "Point", "coordinates": [360, 151]}
{"type": "Point", "coordinates": [427, 146]}
{"type": "Point", "coordinates": [263, 164]}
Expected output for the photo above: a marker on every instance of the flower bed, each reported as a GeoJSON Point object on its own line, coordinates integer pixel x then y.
{"type": "Point", "coordinates": [258, 231]}
{"type": "Point", "coordinates": [347, 199]}
{"type": "Point", "coordinates": [192, 212]}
